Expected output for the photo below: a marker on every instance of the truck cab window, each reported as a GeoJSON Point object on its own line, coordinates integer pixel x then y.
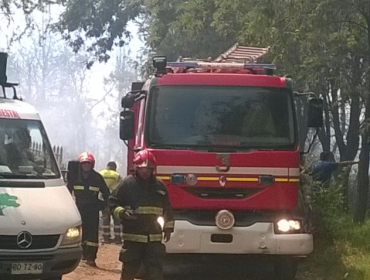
{"type": "Point", "coordinates": [225, 116]}
{"type": "Point", "coordinates": [25, 149]}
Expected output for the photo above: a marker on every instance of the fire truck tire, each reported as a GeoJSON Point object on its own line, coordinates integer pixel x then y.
{"type": "Point", "coordinates": [285, 268]}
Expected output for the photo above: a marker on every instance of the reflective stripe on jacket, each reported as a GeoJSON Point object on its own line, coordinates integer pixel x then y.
{"type": "Point", "coordinates": [148, 200]}
{"type": "Point", "coordinates": [86, 190]}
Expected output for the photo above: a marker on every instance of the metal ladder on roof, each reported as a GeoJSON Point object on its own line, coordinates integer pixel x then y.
{"type": "Point", "coordinates": [236, 53]}
{"type": "Point", "coordinates": [241, 54]}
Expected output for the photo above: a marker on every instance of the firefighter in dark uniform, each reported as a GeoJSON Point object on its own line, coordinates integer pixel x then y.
{"type": "Point", "coordinates": [86, 188]}
{"type": "Point", "coordinates": [139, 200]}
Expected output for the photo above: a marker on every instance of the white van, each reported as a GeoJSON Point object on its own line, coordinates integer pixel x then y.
{"type": "Point", "coordinates": [40, 226]}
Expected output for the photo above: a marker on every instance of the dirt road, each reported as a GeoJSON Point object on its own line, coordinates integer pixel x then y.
{"type": "Point", "coordinates": [109, 268]}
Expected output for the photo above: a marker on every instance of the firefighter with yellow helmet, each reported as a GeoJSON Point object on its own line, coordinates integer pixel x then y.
{"type": "Point", "coordinates": [111, 178]}
{"type": "Point", "coordinates": [138, 201]}
{"type": "Point", "coordinates": [86, 188]}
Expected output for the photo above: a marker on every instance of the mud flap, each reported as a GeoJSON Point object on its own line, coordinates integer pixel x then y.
{"type": "Point", "coordinates": [285, 268]}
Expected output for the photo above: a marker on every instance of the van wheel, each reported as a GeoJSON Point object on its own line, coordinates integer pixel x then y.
{"type": "Point", "coordinates": [285, 268]}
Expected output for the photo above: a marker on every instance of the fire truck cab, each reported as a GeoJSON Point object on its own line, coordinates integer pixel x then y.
{"type": "Point", "coordinates": [224, 134]}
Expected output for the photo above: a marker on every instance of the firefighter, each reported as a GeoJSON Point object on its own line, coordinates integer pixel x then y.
{"type": "Point", "coordinates": [139, 200]}
{"type": "Point", "coordinates": [111, 178]}
{"type": "Point", "coordinates": [86, 188]}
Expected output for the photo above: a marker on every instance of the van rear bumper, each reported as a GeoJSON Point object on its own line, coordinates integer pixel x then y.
{"type": "Point", "coordinates": [55, 263]}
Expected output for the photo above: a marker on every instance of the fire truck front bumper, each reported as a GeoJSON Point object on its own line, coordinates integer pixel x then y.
{"type": "Point", "coordinates": [258, 238]}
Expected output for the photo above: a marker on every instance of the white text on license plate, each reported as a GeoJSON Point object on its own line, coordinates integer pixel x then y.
{"type": "Point", "coordinates": [27, 268]}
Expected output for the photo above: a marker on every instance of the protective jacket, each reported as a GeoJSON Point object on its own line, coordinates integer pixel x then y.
{"type": "Point", "coordinates": [86, 190]}
{"type": "Point", "coordinates": [149, 200]}
{"type": "Point", "coordinates": [111, 177]}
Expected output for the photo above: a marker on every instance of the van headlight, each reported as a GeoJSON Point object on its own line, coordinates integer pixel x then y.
{"type": "Point", "coordinates": [288, 226]}
{"type": "Point", "coordinates": [72, 236]}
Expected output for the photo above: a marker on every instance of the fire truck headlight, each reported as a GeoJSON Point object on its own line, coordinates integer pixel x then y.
{"type": "Point", "coordinates": [160, 221]}
{"type": "Point", "coordinates": [72, 237]}
{"type": "Point", "coordinates": [287, 226]}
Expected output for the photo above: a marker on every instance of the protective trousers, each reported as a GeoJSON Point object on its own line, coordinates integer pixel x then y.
{"type": "Point", "coordinates": [106, 216]}
{"type": "Point", "coordinates": [150, 254]}
{"type": "Point", "coordinates": [90, 231]}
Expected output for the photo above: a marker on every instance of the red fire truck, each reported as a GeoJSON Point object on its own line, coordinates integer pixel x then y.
{"type": "Point", "coordinates": [224, 134]}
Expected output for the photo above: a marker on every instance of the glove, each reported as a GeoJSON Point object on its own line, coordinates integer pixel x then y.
{"type": "Point", "coordinates": [167, 236]}
{"type": "Point", "coordinates": [127, 215]}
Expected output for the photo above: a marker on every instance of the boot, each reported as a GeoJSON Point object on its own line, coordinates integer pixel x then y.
{"type": "Point", "coordinates": [108, 240]}
{"type": "Point", "coordinates": [91, 263]}
{"type": "Point", "coordinates": [118, 240]}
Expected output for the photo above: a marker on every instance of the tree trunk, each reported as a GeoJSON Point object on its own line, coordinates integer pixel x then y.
{"type": "Point", "coordinates": [363, 178]}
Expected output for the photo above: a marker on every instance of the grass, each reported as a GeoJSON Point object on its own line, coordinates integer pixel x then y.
{"type": "Point", "coordinates": [342, 248]}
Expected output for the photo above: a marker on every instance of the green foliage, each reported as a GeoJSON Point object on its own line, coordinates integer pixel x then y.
{"type": "Point", "coordinates": [347, 251]}
{"type": "Point", "coordinates": [342, 249]}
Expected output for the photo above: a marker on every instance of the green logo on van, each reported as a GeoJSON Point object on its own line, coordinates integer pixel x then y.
{"type": "Point", "coordinates": [7, 200]}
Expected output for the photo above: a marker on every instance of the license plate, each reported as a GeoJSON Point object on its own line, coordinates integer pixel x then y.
{"type": "Point", "coordinates": [27, 268]}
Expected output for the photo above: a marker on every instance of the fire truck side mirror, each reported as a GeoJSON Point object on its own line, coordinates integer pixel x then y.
{"type": "Point", "coordinates": [126, 125]}
{"type": "Point", "coordinates": [3, 61]}
{"type": "Point", "coordinates": [128, 101]}
{"type": "Point", "coordinates": [314, 112]}
{"type": "Point", "coordinates": [135, 86]}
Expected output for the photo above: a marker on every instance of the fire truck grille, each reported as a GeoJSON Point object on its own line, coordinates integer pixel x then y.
{"type": "Point", "coordinates": [243, 218]}
{"type": "Point", "coordinates": [9, 242]}
{"type": "Point", "coordinates": [211, 192]}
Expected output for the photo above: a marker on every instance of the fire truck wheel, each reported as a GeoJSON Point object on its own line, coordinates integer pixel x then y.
{"type": "Point", "coordinates": [285, 268]}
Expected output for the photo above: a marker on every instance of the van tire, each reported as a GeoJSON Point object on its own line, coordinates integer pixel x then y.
{"type": "Point", "coordinates": [54, 278]}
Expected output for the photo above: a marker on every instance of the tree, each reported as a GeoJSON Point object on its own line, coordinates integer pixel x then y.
{"type": "Point", "coordinates": [7, 200]}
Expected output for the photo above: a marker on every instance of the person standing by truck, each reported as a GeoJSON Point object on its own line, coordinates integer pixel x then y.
{"type": "Point", "coordinates": [111, 178]}
{"type": "Point", "coordinates": [323, 170]}
{"type": "Point", "coordinates": [86, 188]}
{"type": "Point", "coordinates": [138, 201]}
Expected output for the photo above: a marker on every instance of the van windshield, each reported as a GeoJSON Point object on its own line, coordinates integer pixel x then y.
{"type": "Point", "coordinates": [220, 118]}
{"type": "Point", "coordinates": [25, 151]}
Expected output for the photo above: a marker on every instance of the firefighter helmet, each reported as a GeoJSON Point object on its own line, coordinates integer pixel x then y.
{"type": "Point", "coordinates": [86, 157]}
{"type": "Point", "coordinates": [145, 158]}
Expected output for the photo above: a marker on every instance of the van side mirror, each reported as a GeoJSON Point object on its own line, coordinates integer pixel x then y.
{"type": "Point", "coordinates": [126, 125]}
{"type": "Point", "coordinates": [314, 112]}
{"type": "Point", "coordinates": [72, 171]}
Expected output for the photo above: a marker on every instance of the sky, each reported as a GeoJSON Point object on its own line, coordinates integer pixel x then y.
{"type": "Point", "coordinates": [96, 73]}
{"type": "Point", "coordinates": [95, 86]}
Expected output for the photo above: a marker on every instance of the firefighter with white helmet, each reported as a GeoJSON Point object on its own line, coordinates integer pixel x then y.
{"type": "Point", "coordinates": [139, 200]}
{"type": "Point", "coordinates": [86, 188]}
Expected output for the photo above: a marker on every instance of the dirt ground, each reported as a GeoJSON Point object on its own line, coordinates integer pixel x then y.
{"type": "Point", "coordinates": [109, 267]}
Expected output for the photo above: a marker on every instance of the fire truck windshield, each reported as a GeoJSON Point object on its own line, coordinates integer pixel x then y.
{"type": "Point", "coordinates": [220, 117]}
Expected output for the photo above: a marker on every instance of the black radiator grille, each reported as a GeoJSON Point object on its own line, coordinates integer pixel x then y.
{"type": "Point", "coordinates": [9, 242]}
{"type": "Point", "coordinates": [222, 192]}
